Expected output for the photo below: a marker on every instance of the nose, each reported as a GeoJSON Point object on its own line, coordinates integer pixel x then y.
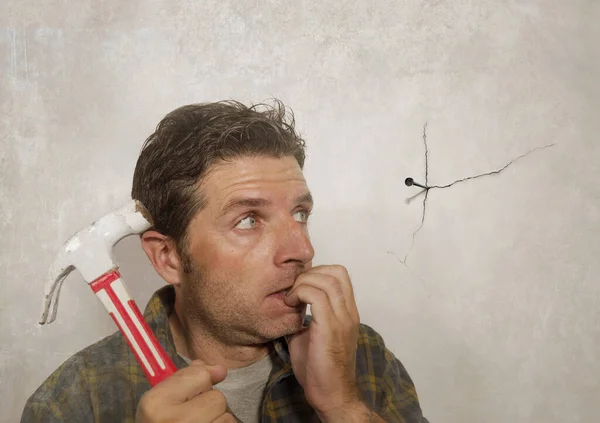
{"type": "Point", "coordinates": [294, 244]}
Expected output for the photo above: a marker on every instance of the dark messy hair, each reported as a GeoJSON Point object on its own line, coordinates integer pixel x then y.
{"type": "Point", "coordinates": [187, 141]}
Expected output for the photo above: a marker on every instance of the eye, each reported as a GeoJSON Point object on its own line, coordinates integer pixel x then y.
{"type": "Point", "coordinates": [247, 222]}
{"type": "Point", "coordinates": [302, 216]}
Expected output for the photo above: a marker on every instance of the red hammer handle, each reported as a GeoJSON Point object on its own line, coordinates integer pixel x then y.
{"type": "Point", "coordinates": [150, 355]}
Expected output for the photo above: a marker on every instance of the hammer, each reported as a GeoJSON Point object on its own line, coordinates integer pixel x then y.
{"type": "Point", "coordinates": [90, 252]}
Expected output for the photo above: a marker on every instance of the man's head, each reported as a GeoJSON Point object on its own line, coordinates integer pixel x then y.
{"type": "Point", "coordinates": [224, 185]}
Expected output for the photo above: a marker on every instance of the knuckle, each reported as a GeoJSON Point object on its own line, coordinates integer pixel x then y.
{"type": "Point", "coordinates": [145, 405]}
{"type": "Point", "coordinates": [146, 411]}
{"type": "Point", "coordinates": [332, 280]}
{"type": "Point", "coordinates": [200, 372]}
{"type": "Point", "coordinates": [341, 276]}
{"type": "Point", "coordinates": [342, 270]}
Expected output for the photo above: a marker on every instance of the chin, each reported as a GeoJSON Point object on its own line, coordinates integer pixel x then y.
{"type": "Point", "coordinates": [282, 326]}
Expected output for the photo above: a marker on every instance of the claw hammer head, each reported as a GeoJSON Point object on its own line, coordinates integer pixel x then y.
{"type": "Point", "coordinates": [90, 251]}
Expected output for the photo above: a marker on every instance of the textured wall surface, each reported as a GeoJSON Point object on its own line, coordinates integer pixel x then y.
{"type": "Point", "coordinates": [496, 310]}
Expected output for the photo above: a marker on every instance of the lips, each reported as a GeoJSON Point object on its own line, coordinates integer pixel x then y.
{"type": "Point", "coordinates": [281, 291]}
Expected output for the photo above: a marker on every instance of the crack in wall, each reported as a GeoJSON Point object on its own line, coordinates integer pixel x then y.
{"type": "Point", "coordinates": [426, 191]}
{"type": "Point", "coordinates": [406, 265]}
{"type": "Point", "coordinates": [494, 172]}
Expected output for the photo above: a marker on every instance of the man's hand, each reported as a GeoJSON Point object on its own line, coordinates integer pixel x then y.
{"type": "Point", "coordinates": [186, 397]}
{"type": "Point", "coordinates": [324, 354]}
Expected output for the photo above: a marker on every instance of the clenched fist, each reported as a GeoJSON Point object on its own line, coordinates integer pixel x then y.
{"type": "Point", "coordinates": [187, 396]}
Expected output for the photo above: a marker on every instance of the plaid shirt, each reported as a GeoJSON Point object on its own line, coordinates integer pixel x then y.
{"type": "Point", "coordinates": [103, 383]}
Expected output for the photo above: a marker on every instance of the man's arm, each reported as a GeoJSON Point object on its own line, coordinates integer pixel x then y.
{"type": "Point", "coordinates": [397, 399]}
{"type": "Point", "coordinates": [388, 391]}
{"type": "Point", "coordinates": [62, 398]}
{"type": "Point", "coordinates": [36, 411]}
{"type": "Point", "coordinates": [400, 399]}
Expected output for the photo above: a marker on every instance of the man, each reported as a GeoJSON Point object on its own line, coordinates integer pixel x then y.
{"type": "Point", "coordinates": [224, 185]}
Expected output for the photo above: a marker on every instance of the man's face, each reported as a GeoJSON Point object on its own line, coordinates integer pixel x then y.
{"type": "Point", "coordinates": [247, 246]}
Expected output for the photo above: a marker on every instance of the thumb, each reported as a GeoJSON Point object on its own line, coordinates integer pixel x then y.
{"type": "Point", "coordinates": [217, 373]}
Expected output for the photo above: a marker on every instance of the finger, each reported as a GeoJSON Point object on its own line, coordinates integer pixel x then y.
{"type": "Point", "coordinates": [186, 383]}
{"type": "Point", "coordinates": [332, 288]}
{"type": "Point", "coordinates": [317, 298]}
{"type": "Point", "coordinates": [217, 373]}
{"type": "Point", "coordinates": [341, 273]}
{"type": "Point", "coordinates": [209, 405]}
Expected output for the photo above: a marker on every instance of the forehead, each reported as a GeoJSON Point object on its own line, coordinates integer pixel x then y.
{"type": "Point", "coordinates": [264, 175]}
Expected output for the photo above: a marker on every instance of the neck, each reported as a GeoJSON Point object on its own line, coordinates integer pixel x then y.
{"type": "Point", "coordinates": [197, 343]}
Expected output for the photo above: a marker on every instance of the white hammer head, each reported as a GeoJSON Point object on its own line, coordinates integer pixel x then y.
{"type": "Point", "coordinates": [90, 251]}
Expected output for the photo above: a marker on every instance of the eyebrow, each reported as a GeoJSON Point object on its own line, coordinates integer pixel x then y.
{"type": "Point", "coordinates": [238, 203]}
{"type": "Point", "coordinates": [306, 198]}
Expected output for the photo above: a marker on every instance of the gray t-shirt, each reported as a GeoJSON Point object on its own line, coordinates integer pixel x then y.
{"type": "Point", "coordinates": [244, 388]}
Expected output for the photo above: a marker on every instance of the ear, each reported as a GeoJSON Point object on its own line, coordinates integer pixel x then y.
{"type": "Point", "coordinates": [162, 252]}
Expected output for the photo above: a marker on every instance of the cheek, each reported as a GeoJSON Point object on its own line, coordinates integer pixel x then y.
{"type": "Point", "coordinates": [212, 252]}
{"type": "Point", "coordinates": [253, 250]}
{"type": "Point", "coordinates": [235, 265]}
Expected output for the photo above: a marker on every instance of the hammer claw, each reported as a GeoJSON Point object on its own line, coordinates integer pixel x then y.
{"type": "Point", "coordinates": [51, 295]}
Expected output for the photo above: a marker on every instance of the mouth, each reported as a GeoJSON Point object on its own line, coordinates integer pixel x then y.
{"type": "Point", "coordinates": [289, 278]}
{"type": "Point", "coordinates": [278, 300]}
{"type": "Point", "coordinates": [281, 291]}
